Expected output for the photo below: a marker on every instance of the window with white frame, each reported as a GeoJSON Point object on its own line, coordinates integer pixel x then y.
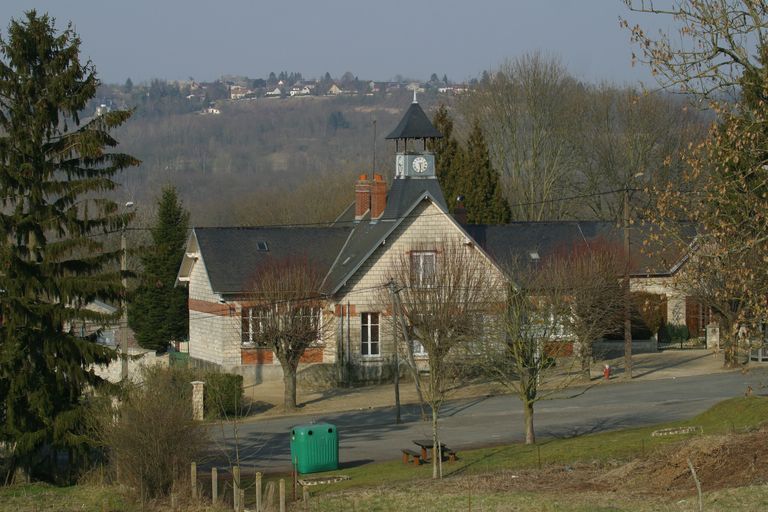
{"type": "Point", "coordinates": [252, 325]}
{"type": "Point", "coordinates": [256, 321]}
{"type": "Point", "coordinates": [423, 267]}
{"type": "Point", "coordinates": [369, 334]}
{"type": "Point", "coordinates": [418, 348]}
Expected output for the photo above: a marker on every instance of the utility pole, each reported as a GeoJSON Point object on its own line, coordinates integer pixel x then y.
{"type": "Point", "coordinates": [124, 302]}
{"type": "Point", "coordinates": [627, 294]}
{"type": "Point", "coordinates": [395, 312]}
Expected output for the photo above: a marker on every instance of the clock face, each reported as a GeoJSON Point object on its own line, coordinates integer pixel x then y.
{"type": "Point", "coordinates": [420, 164]}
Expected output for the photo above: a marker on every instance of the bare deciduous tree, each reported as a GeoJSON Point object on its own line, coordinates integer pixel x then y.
{"type": "Point", "coordinates": [712, 48]}
{"type": "Point", "coordinates": [447, 287]}
{"type": "Point", "coordinates": [722, 192]}
{"type": "Point", "coordinates": [285, 313]}
{"type": "Point", "coordinates": [624, 133]}
{"type": "Point", "coordinates": [590, 279]}
{"type": "Point", "coordinates": [525, 110]}
{"type": "Point", "coordinates": [530, 335]}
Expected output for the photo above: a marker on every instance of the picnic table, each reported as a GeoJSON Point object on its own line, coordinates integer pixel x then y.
{"type": "Point", "coordinates": [426, 446]}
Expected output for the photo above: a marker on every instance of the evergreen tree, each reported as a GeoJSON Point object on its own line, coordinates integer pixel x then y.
{"type": "Point", "coordinates": [447, 157]}
{"type": "Point", "coordinates": [479, 182]}
{"type": "Point", "coordinates": [53, 170]}
{"type": "Point", "coordinates": [158, 311]}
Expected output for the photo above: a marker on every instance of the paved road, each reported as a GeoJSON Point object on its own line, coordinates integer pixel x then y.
{"type": "Point", "coordinates": [372, 435]}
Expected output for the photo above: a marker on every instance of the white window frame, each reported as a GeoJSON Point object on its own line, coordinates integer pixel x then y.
{"type": "Point", "coordinates": [418, 348]}
{"type": "Point", "coordinates": [253, 325]}
{"type": "Point", "coordinates": [420, 278]}
{"type": "Point", "coordinates": [367, 343]}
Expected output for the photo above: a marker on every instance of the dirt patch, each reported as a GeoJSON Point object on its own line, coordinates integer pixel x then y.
{"type": "Point", "coordinates": [726, 461]}
{"type": "Point", "coordinates": [720, 461]}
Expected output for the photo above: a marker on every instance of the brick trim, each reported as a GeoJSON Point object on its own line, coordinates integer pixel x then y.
{"type": "Point", "coordinates": [211, 308]}
{"type": "Point", "coordinates": [341, 310]}
{"type": "Point", "coordinates": [252, 356]}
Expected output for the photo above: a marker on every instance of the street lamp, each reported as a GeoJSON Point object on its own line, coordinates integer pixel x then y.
{"type": "Point", "coordinates": [124, 302]}
{"type": "Point", "coordinates": [627, 293]}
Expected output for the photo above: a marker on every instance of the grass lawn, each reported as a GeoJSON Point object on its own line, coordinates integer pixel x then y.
{"type": "Point", "coordinates": [40, 497]}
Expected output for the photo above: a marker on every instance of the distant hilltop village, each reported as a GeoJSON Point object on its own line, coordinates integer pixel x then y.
{"type": "Point", "coordinates": [204, 95]}
{"type": "Point", "coordinates": [291, 85]}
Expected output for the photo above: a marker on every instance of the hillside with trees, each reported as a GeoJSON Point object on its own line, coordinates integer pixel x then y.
{"type": "Point", "coordinates": [277, 160]}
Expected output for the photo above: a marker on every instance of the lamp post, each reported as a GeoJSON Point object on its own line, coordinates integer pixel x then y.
{"type": "Point", "coordinates": [123, 301]}
{"type": "Point", "coordinates": [627, 290]}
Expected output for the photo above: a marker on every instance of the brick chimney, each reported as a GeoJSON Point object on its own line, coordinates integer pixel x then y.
{"type": "Point", "coordinates": [362, 196]}
{"type": "Point", "coordinates": [378, 196]}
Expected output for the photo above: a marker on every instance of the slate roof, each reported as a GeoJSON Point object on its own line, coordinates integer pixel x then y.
{"type": "Point", "coordinates": [404, 196]}
{"type": "Point", "coordinates": [404, 192]}
{"type": "Point", "coordinates": [232, 254]}
{"type": "Point", "coordinates": [516, 241]}
{"type": "Point", "coordinates": [415, 125]}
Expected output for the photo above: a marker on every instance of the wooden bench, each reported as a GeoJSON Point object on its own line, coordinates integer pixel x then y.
{"type": "Point", "coordinates": [408, 454]}
{"type": "Point", "coordinates": [447, 452]}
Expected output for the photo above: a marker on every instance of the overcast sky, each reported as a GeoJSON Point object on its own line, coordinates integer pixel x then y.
{"type": "Point", "coordinates": [374, 39]}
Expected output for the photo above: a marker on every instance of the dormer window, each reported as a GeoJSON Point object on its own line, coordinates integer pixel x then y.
{"type": "Point", "coordinates": [262, 246]}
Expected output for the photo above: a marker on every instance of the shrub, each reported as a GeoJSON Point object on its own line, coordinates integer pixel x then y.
{"type": "Point", "coordinates": [223, 394]}
{"type": "Point", "coordinates": [151, 435]}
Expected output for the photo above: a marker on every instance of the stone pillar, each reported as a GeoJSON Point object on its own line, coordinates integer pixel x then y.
{"type": "Point", "coordinates": [713, 336]}
{"type": "Point", "coordinates": [198, 410]}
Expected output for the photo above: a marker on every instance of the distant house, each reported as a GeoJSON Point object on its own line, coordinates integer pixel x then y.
{"type": "Point", "coordinates": [300, 91]}
{"type": "Point", "coordinates": [211, 110]}
{"type": "Point", "coordinates": [237, 92]}
{"type": "Point", "coordinates": [415, 86]}
{"type": "Point", "coordinates": [103, 109]}
{"type": "Point", "coordinates": [453, 89]}
{"type": "Point", "coordinates": [334, 90]}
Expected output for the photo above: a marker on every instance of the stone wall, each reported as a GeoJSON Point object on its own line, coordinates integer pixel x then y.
{"type": "Point", "coordinates": [138, 359]}
{"type": "Point", "coordinates": [663, 286]}
{"type": "Point", "coordinates": [214, 326]}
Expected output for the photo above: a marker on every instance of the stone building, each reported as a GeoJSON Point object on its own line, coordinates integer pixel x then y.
{"type": "Point", "coordinates": [355, 254]}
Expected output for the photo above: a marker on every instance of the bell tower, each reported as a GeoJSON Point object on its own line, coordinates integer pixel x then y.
{"type": "Point", "coordinates": [414, 162]}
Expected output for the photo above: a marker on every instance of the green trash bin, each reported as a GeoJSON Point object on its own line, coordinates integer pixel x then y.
{"type": "Point", "coordinates": [315, 448]}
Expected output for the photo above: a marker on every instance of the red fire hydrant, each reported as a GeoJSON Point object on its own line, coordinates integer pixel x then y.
{"type": "Point", "coordinates": [607, 372]}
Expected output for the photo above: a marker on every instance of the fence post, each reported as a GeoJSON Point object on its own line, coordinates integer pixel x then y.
{"type": "Point", "coordinates": [236, 487]}
{"type": "Point", "coordinates": [193, 479]}
{"type": "Point", "coordinates": [214, 485]}
{"type": "Point", "coordinates": [198, 405]}
{"type": "Point", "coordinates": [282, 495]}
{"type": "Point", "coordinates": [258, 491]}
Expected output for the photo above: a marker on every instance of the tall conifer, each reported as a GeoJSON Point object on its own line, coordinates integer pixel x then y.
{"type": "Point", "coordinates": [479, 182]}
{"type": "Point", "coordinates": [158, 311]}
{"type": "Point", "coordinates": [448, 156]}
{"type": "Point", "coordinates": [54, 170]}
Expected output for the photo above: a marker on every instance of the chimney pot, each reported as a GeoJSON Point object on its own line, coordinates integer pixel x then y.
{"type": "Point", "coordinates": [362, 196]}
{"type": "Point", "coordinates": [378, 196]}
